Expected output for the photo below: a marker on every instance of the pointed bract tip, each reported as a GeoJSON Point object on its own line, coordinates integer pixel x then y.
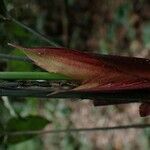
{"type": "Point", "coordinates": [16, 46]}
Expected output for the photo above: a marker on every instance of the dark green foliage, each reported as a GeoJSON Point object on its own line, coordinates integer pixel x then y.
{"type": "Point", "coordinates": [29, 123]}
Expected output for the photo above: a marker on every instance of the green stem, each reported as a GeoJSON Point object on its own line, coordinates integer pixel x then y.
{"type": "Point", "coordinates": [35, 132]}
{"type": "Point", "coordinates": [32, 76]}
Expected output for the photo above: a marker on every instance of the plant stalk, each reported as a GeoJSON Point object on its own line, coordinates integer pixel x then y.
{"type": "Point", "coordinates": [32, 76]}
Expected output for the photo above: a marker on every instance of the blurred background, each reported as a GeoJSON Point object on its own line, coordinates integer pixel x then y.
{"type": "Point", "coordinates": [120, 27]}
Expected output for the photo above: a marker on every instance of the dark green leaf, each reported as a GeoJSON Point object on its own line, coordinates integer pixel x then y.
{"type": "Point", "coordinates": [29, 123]}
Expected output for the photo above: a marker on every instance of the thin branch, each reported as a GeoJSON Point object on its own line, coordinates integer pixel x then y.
{"type": "Point", "coordinates": [25, 93]}
{"type": "Point", "coordinates": [36, 33]}
{"type": "Point", "coordinates": [123, 127]}
{"type": "Point", "coordinates": [122, 96]}
{"type": "Point", "coordinates": [112, 98]}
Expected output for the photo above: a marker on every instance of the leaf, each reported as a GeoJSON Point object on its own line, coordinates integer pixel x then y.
{"type": "Point", "coordinates": [130, 65]}
{"type": "Point", "coordinates": [29, 123]}
{"type": "Point", "coordinates": [74, 64]}
{"type": "Point", "coordinates": [118, 82]}
{"type": "Point", "coordinates": [75, 59]}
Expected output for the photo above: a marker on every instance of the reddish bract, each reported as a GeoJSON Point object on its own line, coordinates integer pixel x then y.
{"type": "Point", "coordinates": [100, 73]}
